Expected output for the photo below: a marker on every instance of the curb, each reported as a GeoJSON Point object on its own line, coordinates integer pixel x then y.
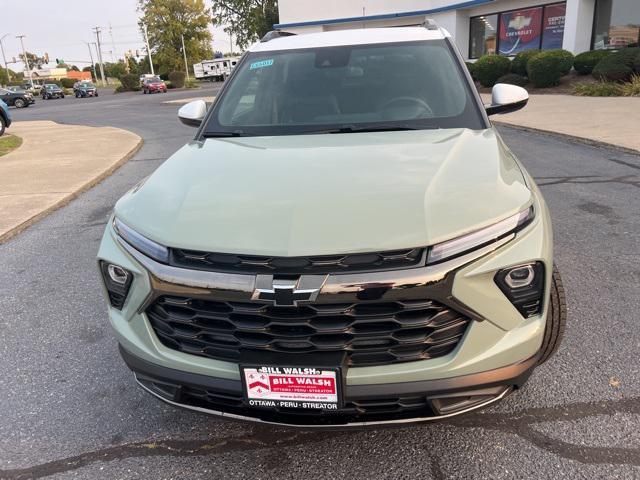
{"type": "Point", "coordinates": [573, 138]}
{"type": "Point", "coordinates": [65, 200]}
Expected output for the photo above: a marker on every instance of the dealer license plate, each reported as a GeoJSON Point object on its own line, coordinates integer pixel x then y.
{"type": "Point", "coordinates": [291, 387]}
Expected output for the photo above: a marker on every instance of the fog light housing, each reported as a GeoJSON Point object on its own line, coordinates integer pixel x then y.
{"type": "Point", "coordinates": [523, 285]}
{"type": "Point", "coordinates": [117, 281]}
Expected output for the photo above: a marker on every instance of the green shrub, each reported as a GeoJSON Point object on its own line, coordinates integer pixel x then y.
{"type": "Point", "coordinates": [177, 79]}
{"type": "Point", "coordinates": [636, 64]}
{"type": "Point", "coordinates": [170, 85]}
{"type": "Point", "coordinates": [566, 59]}
{"type": "Point", "coordinates": [129, 82]}
{"type": "Point", "coordinates": [519, 62]}
{"type": "Point", "coordinates": [599, 89]}
{"type": "Point", "coordinates": [68, 82]}
{"type": "Point", "coordinates": [545, 69]}
{"type": "Point", "coordinates": [617, 67]}
{"type": "Point", "coordinates": [489, 68]}
{"type": "Point", "coordinates": [513, 79]}
{"type": "Point", "coordinates": [612, 69]}
{"type": "Point", "coordinates": [472, 69]}
{"type": "Point", "coordinates": [585, 62]}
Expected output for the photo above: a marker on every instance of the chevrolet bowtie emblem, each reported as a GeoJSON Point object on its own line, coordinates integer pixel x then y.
{"type": "Point", "coordinates": [286, 293]}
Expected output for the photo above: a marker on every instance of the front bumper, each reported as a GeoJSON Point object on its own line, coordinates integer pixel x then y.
{"type": "Point", "coordinates": [496, 354]}
{"type": "Point", "coordinates": [363, 405]}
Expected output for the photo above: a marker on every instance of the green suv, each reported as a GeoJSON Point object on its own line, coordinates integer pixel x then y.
{"type": "Point", "coordinates": [346, 241]}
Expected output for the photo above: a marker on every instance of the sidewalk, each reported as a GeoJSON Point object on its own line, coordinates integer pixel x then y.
{"type": "Point", "coordinates": [611, 120]}
{"type": "Point", "coordinates": [54, 164]}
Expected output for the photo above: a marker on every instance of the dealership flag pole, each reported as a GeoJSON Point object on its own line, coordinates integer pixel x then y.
{"type": "Point", "coordinates": [146, 40]}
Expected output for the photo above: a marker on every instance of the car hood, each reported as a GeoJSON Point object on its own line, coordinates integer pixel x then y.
{"type": "Point", "coordinates": [327, 194]}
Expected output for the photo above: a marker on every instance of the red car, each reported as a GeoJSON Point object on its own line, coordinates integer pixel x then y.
{"type": "Point", "coordinates": [153, 85]}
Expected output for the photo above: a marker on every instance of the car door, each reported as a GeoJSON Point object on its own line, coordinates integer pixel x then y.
{"type": "Point", "coordinates": [6, 96]}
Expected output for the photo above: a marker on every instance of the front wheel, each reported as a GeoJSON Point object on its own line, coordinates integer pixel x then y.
{"type": "Point", "coordinates": [556, 318]}
{"type": "Point", "coordinates": [19, 103]}
{"type": "Point", "coordinates": [96, 94]}
{"type": "Point", "coordinates": [62, 96]}
{"type": "Point", "coordinates": [2, 125]}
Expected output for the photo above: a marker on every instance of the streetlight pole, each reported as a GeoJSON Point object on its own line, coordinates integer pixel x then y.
{"type": "Point", "coordinates": [184, 52]}
{"type": "Point", "coordinates": [97, 31]}
{"type": "Point", "coordinates": [4, 58]}
{"type": "Point", "coordinates": [26, 60]}
{"type": "Point", "coordinates": [146, 41]}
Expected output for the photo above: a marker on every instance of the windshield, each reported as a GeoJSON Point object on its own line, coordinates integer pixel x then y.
{"type": "Point", "coordinates": [348, 88]}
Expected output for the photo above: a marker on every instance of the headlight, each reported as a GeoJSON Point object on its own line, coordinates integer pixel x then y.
{"type": "Point", "coordinates": [141, 243]}
{"type": "Point", "coordinates": [480, 238]}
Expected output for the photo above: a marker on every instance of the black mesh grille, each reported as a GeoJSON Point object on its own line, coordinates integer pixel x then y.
{"type": "Point", "coordinates": [371, 333]}
{"type": "Point", "coordinates": [357, 262]}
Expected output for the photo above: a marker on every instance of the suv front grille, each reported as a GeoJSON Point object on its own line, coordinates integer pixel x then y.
{"type": "Point", "coordinates": [369, 332]}
{"type": "Point", "coordinates": [313, 264]}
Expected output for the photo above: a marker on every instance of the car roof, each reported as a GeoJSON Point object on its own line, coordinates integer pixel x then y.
{"type": "Point", "coordinates": [361, 36]}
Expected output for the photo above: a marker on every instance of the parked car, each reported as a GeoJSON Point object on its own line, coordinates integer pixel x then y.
{"type": "Point", "coordinates": [153, 85]}
{"type": "Point", "coordinates": [51, 90]}
{"type": "Point", "coordinates": [16, 98]}
{"type": "Point", "coordinates": [85, 89]}
{"type": "Point", "coordinates": [337, 246]}
{"type": "Point", "coordinates": [5, 117]}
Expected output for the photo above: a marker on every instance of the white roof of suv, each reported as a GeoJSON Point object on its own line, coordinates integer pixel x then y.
{"type": "Point", "coordinates": [360, 36]}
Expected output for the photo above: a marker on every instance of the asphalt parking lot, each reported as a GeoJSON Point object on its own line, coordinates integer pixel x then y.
{"type": "Point", "coordinates": [70, 408]}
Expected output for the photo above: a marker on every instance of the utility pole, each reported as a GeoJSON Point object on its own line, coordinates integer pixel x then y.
{"type": "Point", "coordinates": [26, 60]}
{"type": "Point", "coordinates": [146, 41]}
{"type": "Point", "coordinates": [184, 52]}
{"type": "Point", "coordinates": [4, 58]}
{"type": "Point", "coordinates": [99, 48]}
{"type": "Point", "coordinates": [93, 65]}
{"type": "Point", "coordinates": [95, 45]}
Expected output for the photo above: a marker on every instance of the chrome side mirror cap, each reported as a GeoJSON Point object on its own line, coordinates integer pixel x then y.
{"type": "Point", "coordinates": [193, 113]}
{"type": "Point", "coordinates": [506, 98]}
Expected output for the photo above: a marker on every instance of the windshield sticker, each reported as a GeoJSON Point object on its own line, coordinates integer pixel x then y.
{"type": "Point", "coordinates": [261, 64]}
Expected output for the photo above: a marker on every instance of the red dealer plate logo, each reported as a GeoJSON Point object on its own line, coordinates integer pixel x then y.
{"type": "Point", "coordinates": [291, 387]}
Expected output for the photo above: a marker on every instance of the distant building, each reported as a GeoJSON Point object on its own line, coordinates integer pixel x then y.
{"type": "Point", "coordinates": [481, 26]}
{"type": "Point", "coordinates": [42, 75]}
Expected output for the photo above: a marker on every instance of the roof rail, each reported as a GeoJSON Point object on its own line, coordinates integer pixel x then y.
{"type": "Point", "coordinates": [430, 24]}
{"type": "Point", "coordinates": [275, 34]}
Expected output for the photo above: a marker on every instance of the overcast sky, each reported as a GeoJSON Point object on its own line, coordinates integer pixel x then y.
{"type": "Point", "coordinates": [59, 27]}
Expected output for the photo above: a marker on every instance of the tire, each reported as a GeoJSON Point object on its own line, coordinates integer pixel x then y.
{"type": "Point", "coordinates": [62, 95]}
{"type": "Point", "coordinates": [144, 91]}
{"type": "Point", "coordinates": [96, 94]}
{"type": "Point", "coordinates": [2, 125]}
{"type": "Point", "coordinates": [556, 318]}
{"type": "Point", "coordinates": [20, 103]}
{"type": "Point", "coordinates": [77, 95]}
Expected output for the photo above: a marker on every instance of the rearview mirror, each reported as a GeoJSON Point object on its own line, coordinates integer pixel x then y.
{"type": "Point", "coordinates": [506, 98]}
{"type": "Point", "coordinates": [193, 113]}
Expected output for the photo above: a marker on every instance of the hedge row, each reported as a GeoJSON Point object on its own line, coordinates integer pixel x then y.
{"type": "Point", "coordinates": [546, 71]}
{"type": "Point", "coordinates": [618, 66]}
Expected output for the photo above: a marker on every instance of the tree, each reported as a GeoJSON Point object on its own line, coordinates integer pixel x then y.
{"type": "Point", "coordinates": [246, 20]}
{"type": "Point", "coordinates": [34, 60]}
{"type": "Point", "coordinates": [166, 22]}
{"type": "Point", "coordinates": [4, 76]}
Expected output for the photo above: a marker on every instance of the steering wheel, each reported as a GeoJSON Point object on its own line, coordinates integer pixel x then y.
{"type": "Point", "coordinates": [420, 105]}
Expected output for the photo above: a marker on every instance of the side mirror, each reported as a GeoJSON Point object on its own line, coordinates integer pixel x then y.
{"type": "Point", "coordinates": [193, 113]}
{"type": "Point", "coordinates": [506, 98]}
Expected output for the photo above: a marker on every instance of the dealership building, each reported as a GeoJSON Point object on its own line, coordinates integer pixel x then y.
{"type": "Point", "coordinates": [481, 26]}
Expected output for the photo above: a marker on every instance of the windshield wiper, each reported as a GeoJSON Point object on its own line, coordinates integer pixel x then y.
{"type": "Point", "coordinates": [235, 133]}
{"type": "Point", "coordinates": [391, 127]}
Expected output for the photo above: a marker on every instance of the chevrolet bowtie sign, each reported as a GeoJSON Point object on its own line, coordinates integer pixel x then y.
{"type": "Point", "coordinates": [283, 293]}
